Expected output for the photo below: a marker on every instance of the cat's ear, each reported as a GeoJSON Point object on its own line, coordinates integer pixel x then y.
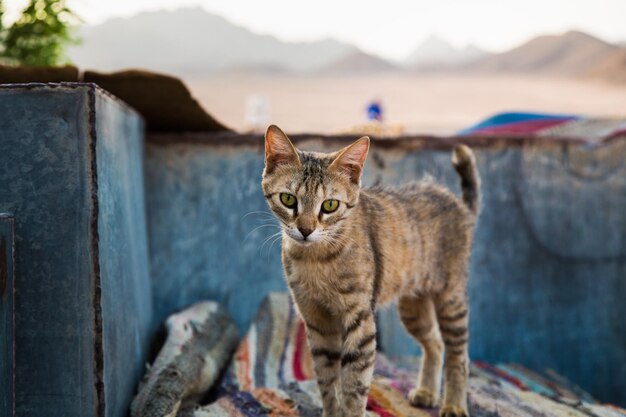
{"type": "Point", "coordinates": [350, 159]}
{"type": "Point", "coordinates": [278, 149]}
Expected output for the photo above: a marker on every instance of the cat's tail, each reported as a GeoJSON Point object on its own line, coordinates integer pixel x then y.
{"type": "Point", "coordinates": [465, 164]}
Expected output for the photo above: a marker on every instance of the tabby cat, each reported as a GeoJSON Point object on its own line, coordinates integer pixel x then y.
{"type": "Point", "coordinates": [347, 251]}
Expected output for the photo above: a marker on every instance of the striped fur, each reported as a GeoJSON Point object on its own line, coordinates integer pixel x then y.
{"type": "Point", "coordinates": [409, 244]}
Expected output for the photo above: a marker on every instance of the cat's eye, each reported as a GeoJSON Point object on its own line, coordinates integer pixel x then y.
{"type": "Point", "coordinates": [328, 206]}
{"type": "Point", "coordinates": [288, 200]}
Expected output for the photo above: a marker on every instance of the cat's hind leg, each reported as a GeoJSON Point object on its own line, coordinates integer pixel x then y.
{"type": "Point", "coordinates": [452, 314]}
{"type": "Point", "coordinates": [419, 317]}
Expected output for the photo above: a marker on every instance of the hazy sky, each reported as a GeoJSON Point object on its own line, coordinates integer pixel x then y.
{"type": "Point", "coordinates": [390, 28]}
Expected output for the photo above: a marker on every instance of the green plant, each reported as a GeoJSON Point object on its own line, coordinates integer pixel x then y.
{"type": "Point", "coordinates": [2, 34]}
{"type": "Point", "coordinates": [40, 35]}
{"type": "Point", "coordinates": [1, 25]}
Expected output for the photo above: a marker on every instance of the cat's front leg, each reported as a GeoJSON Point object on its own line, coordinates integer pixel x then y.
{"type": "Point", "coordinates": [324, 337]}
{"type": "Point", "coordinates": [357, 359]}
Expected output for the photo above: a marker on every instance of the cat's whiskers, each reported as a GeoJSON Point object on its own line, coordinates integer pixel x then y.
{"type": "Point", "coordinates": [260, 227]}
{"type": "Point", "coordinates": [258, 213]}
{"type": "Point", "coordinates": [272, 244]}
{"type": "Point", "coordinates": [343, 239]}
{"type": "Point", "coordinates": [267, 239]}
{"type": "Point", "coordinates": [331, 242]}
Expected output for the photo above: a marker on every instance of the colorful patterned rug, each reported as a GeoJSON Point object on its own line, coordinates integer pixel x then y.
{"type": "Point", "coordinates": [271, 374]}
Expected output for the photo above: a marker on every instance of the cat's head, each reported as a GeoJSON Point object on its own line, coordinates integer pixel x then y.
{"type": "Point", "coordinates": [311, 193]}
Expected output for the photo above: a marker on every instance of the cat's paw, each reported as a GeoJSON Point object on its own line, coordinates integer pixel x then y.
{"type": "Point", "coordinates": [453, 411]}
{"type": "Point", "coordinates": [422, 397]}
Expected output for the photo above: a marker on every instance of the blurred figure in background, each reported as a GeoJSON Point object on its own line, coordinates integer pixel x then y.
{"type": "Point", "coordinates": [257, 113]}
{"type": "Point", "coordinates": [374, 111]}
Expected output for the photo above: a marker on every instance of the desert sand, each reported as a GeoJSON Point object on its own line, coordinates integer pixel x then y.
{"type": "Point", "coordinates": [437, 104]}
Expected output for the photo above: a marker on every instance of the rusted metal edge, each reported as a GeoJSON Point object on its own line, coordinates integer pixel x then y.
{"type": "Point", "coordinates": [73, 85]}
{"type": "Point", "coordinates": [402, 143]}
{"type": "Point", "coordinates": [95, 248]}
{"type": "Point", "coordinates": [10, 218]}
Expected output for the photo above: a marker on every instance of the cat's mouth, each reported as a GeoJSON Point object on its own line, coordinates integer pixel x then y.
{"type": "Point", "coordinates": [303, 240]}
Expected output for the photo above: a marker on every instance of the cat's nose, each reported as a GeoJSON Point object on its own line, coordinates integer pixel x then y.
{"type": "Point", "coordinates": [305, 231]}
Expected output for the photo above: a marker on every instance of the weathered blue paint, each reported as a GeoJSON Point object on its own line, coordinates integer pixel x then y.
{"type": "Point", "coordinates": [126, 301]}
{"type": "Point", "coordinates": [547, 273]}
{"type": "Point", "coordinates": [71, 171]}
{"type": "Point", "coordinates": [204, 203]}
{"type": "Point", "coordinates": [44, 157]}
{"type": "Point", "coordinates": [7, 274]}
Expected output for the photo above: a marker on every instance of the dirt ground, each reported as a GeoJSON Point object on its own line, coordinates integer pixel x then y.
{"type": "Point", "coordinates": [422, 104]}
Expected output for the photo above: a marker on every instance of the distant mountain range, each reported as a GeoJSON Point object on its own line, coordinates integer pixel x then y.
{"type": "Point", "coordinates": [192, 41]}
{"type": "Point", "coordinates": [435, 52]}
{"type": "Point", "coordinates": [572, 53]}
{"type": "Point", "coordinates": [359, 62]}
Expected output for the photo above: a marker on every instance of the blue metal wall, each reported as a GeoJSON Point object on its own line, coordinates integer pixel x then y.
{"type": "Point", "coordinates": [203, 202]}
{"type": "Point", "coordinates": [126, 298]}
{"type": "Point", "coordinates": [548, 269]}
{"type": "Point", "coordinates": [71, 172]}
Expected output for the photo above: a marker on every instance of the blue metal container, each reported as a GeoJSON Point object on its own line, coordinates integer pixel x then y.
{"type": "Point", "coordinates": [71, 171]}
{"type": "Point", "coordinates": [547, 272]}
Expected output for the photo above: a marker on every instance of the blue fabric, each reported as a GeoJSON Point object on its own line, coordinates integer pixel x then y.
{"type": "Point", "coordinates": [500, 119]}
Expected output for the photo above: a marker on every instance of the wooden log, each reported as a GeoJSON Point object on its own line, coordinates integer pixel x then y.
{"type": "Point", "coordinates": [199, 344]}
